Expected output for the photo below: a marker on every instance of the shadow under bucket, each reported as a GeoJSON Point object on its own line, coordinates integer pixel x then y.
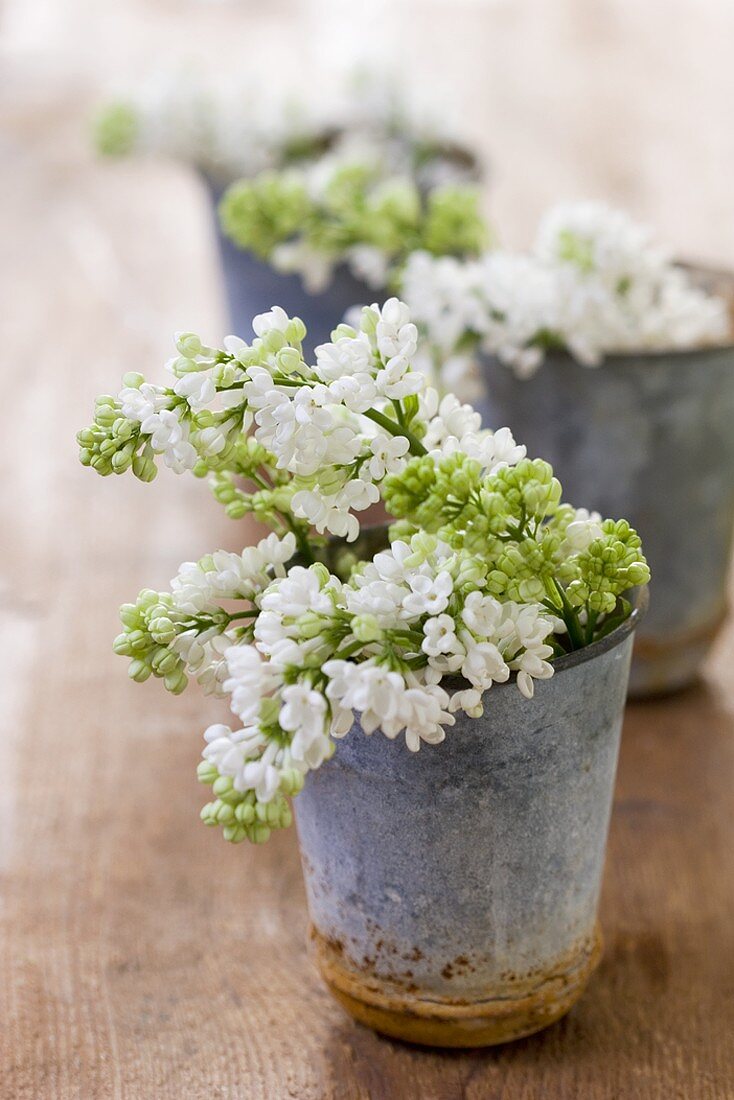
{"type": "Point", "coordinates": [648, 437]}
{"type": "Point", "coordinates": [453, 892]}
{"type": "Point", "coordinates": [252, 286]}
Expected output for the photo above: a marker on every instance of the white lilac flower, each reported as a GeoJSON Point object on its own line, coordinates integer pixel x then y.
{"type": "Point", "coordinates": [229, 126]}
{"type": "Point", "coordinates": [245, 757]}
{"type": "Point", "coordinates": [398, 380]}
{"type": "Point", "coordinates": [428, 594]}
{"type": "Point", "coordinates": [141, 403]}
{"type": "Point", "coordinates": [357, 392]}
{"type": "Point", "coordinates": [441, 294]}
{"type": "Point", "coordinates": [303, 714]}
{"type": "Point", "coordinates": [455, 427]}
{"type": "Point", "coordinates": [388, 453]}
{"type": "Point", "coordinates": [386, 701]}
{"type": "Point", "coordinates": [582, 530]}
{"type": "Point", "coordinates": [223, 575]}
{"type": "Point", "coordinates": [298, 592]}
{"type": "Point", "coordinates": [594, 283]}
{"type": "Point", "coordinates": [197, 387]}
{"type": "Point", "coordinates": [395, 333]}
{"type": "Point", "coordinates": [169, 436]}
{"type": "Point", "coordinates": [481, 614]}
{"type": "Point", "coordinates": [397, 585]}
{"type": "Point", "coordinates": [369, 263]}
{"type": "Point", "coordinates": [204, 655]}
{"type": "Point", "coordinates": [345, 356]}
{"type": "Point", "coordinates": [275, 320]}
{"type": "Point", "coordinates": [483, 664]}
{"type": "Point", "coordinates": [439, 636]}
{"type": "Point", "coordinates": [299, 258]}
{"type": "Point", "coordinates": [251, 678]}
{"type": "Point", "coordinates": [212, 441]}
{"type": "Point", "coordinates": [330, 513]}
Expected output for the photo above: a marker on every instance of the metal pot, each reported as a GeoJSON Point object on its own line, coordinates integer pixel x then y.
{"type": "Point", "coordinates": [648, 437]}
{"type": "Point", "coordinates": [453, 893]}
{"type": "Point", "coordinates": [252, 286]}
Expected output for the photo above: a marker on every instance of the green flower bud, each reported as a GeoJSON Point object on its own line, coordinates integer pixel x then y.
{"type": "Point", "coordinates": [222, 785]}
{"type": "Point", "coordinates": [258, 833]}
{"type": "Point", "coordinates": [139, 671]}
{"type": "Point", "coordinates": [175, 681]}
{"type": "Point", "coordinates": [291, 782]}
{"type": "Point", "coordinates": [269, 711]}
{"type": "Point", "coordinates": [311, 624]}
{"type": "Point", "coordinates": [163, 630]}
{"type": "Point", "coordinates": [343, 330]}
{"type": "Point", "coordinates": [121, 645]}
{"type": "Point", "coordinates": [133, 380]}
{"type": "Point", "coordinates": [295, 330]}
{"type": "Point", "coordinates": [206, 773]}
{"type": "Point", "coordinates": [115, 130]}
{"type": "Point", "coordinates": [245, 813]}
{"type": "Point", "coordinates": [189, 344]}
{"type": "Point", "coordinates": [236, 509]}
{"type": "Point", "coordinates": [144, 469]}
{"type": "Point", "coordinates": [223, 811]}
{"type": "Point", "coordinates": [366, 628]}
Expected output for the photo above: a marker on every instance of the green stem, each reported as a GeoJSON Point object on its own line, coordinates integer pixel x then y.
{"type": "Point", "coordinates": [304, 547]}
{"type": "Point", "coordinates": [592, 616]}
{"type": "Point", "coordinates": [391, 426]}
{"type": "Point", "coordinates": [348, 651]}
{"type": "Point", "coordinates": [570, 618]}
{"type": "Point", "coordinates": [256, 480]}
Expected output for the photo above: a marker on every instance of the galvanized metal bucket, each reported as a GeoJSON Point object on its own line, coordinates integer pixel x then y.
{"type": "Point", "coordinates": [253, 287]}
{"type": "Point", "coordinates": [647, 437]}
{"type": "Point", "coordinates": [453, 892]}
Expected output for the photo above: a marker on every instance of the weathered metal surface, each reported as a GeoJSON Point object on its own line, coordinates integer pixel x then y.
{"type": "Point", "coordinates": [531, 1004]}
{"type": "Point", "coordinates": [649, 437]}
{"type": "Point", "coordinates": [453, 892]}
{"type": "Point", "coordinates": [253, 286]}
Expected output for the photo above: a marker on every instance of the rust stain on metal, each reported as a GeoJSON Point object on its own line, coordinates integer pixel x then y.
{"type": "Point", "coordinates": [536, 1000]}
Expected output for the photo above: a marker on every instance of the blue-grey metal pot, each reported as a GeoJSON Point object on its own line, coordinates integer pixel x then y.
{"type": "Point", "coordinates": [647, 437]}
{"type": "Point", "coordinates": [253, 286]}
{"type": "Point", "coordinates": [453, 892]}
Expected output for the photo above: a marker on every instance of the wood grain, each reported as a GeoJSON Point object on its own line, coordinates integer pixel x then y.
{"type": "Point", "coordinates": [141, 957]}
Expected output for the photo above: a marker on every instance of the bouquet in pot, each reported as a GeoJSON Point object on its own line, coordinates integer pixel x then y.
{"type": "Point", "coordinates": [358, 178]}
{"type": "Point", "coordinates": [594, 284]}
{"type": "Point", "coordinates": [485, 574]}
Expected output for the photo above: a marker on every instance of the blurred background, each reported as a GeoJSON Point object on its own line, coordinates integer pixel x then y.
{"type": "Point", "coordinates": [621, 100]}
{"type": "Point", "coordinates": [103, 260]}
{"type": "Point", "coordinates": [610, 99]}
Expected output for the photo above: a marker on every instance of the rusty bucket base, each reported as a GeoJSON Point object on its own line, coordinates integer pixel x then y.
{"type": "Point", "coordinates": [404, 1015]}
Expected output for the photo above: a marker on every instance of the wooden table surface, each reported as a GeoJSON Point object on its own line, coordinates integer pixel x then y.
{"type": "Point", "coordinates": [140, 956]}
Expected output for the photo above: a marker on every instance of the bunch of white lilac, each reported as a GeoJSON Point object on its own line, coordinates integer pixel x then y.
{"type": "Point", "coordinates": [367, 203]}
{"type": "Point", "coordinates": [485, 575]}
{"type": "Point", "coordinates": [225, 131]}
{"type": "Point", "coordinates": [313, 441]}
{"type": "Point", "coordinates": [229, 128]}
{"type": "Point", "coordinates": [594, 284]}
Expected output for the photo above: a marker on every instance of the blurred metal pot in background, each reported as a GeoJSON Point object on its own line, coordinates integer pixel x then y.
{"type": "Point", "coordinates": [252, 286]}
{"type": "Point", "coordinates": [648, 437]}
